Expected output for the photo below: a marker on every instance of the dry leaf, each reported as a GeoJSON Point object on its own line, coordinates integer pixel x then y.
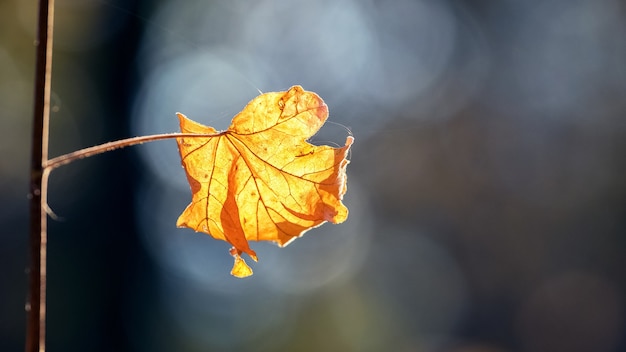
{"type": "Point", "coordinates": [260, 180]}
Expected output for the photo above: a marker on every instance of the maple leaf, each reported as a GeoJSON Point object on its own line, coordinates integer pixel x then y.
{"type": "Point", "coordinates": [260, 180]}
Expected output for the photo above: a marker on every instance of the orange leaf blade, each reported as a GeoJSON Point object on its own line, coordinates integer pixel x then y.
{"type": "Point", "coordinates": [261, 180]}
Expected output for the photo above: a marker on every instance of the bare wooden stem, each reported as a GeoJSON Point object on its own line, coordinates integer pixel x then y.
{"type": "Point", "coordinates": [40, 170]}
{"type": "Point", "coordinates": [36, 301]}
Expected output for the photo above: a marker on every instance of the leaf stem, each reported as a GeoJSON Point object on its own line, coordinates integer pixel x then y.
{"type": "Point", "coordinates": [106, 147]}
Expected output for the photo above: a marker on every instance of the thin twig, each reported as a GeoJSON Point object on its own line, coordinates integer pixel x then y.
{"type": "Point", "coordinates": [36, 301]}
{"type": "Point", "coordinates": [40, 170]}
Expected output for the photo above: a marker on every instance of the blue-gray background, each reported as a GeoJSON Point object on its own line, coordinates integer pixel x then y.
{"type": "Point", "coordinates": [487, 184]}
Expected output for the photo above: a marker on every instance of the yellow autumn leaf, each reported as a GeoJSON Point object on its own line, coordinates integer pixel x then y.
{"type": "Point", "coordinates": [260, 180]}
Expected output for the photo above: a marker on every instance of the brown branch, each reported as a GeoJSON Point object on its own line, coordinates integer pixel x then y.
{"type": "Point", "coordinates": [40, 170]}
{"type": "Point", "coordinates": [36, 301]}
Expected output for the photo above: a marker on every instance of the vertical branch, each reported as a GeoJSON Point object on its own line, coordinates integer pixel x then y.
{"type": "Point", "coordinates": [36, 301]}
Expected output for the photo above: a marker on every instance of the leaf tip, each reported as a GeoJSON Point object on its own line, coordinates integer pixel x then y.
{"type": "Point", "coordinates": [240, 267]}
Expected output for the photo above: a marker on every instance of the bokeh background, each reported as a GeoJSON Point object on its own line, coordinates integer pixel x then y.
{"type": "Point", "coordinates": [487, 184]}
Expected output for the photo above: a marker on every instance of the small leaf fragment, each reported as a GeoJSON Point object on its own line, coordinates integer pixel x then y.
{"type": "Point", "coordinates": [240, 268]}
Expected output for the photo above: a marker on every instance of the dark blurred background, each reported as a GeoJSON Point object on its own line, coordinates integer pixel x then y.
{"type": "Point", "coordinates": [487, 184]}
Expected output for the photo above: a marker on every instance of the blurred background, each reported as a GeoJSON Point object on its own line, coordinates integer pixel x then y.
{"type": "Point", "coordinates": [487, 187]}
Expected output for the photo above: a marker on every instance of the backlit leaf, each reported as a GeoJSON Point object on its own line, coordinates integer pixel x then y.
{"type": "Point", "coordinates": [260, 180]}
